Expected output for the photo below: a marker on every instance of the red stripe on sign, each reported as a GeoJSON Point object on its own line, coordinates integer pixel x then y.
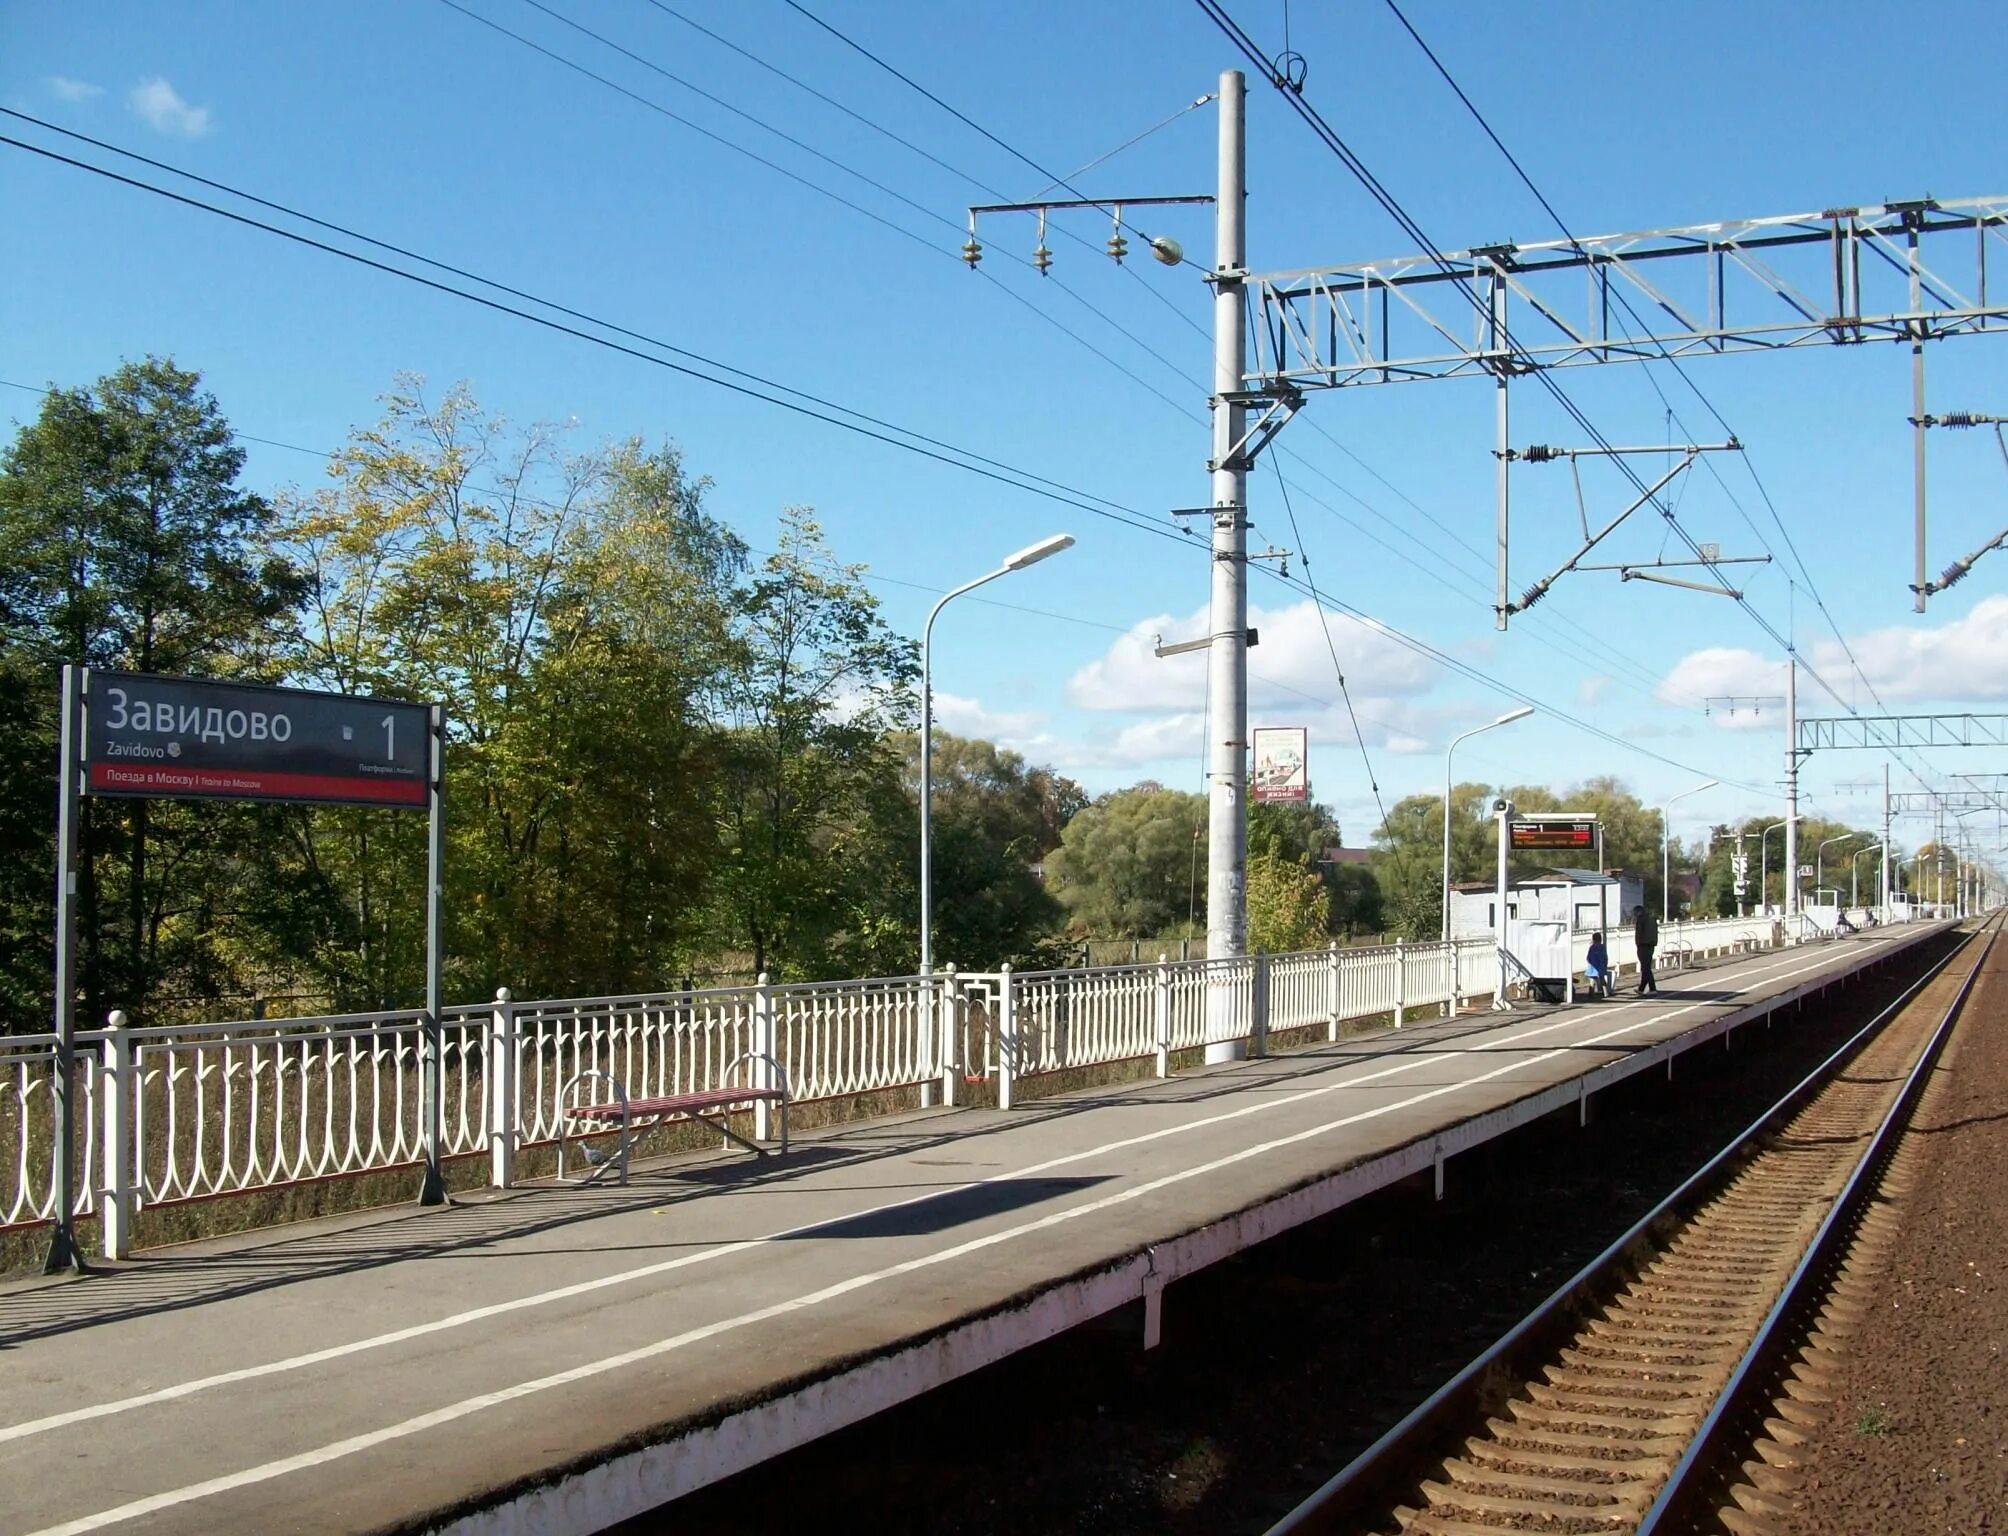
{"type": "Point", "coordinates": [251, 784]}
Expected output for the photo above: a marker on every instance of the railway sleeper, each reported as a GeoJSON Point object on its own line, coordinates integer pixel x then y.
{"type": "Point", "coordinates": [1607, 1352]}
{"type": "Point", "coordinates": [1615, 1425]}
{"type": "Point", "coordinates": [1781, 1482]}
{"type": "Point", "coordinates": [1546, 1510]}
{"type": "Point", "coordinates": [1597, 1468]}
{"type": "Point", "coordinates": [1633, 1382]}
{"type": "Point", "coordinates": [1468, 1474]}
{"type": "Point", "coordinates": [1611, 1450]}
{"type": "Point", "coordinates": [1757, 1502]}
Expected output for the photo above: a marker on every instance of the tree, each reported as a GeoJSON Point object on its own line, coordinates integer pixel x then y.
{"type": "Point", "coordinates": [1127, 865]}
{"type": "Point", "coordinates": [1357, 903]}
{"type": "Point", "coordinates": [1289, 907]}
{"type": "Point", "coordinates": [573, 614]}
{"type": "Point", "coordinates": [810, 791]}
{"type": "Point", "coordinates": [995, 818]}
{"type": "Point", "coordinates": [127, 543]}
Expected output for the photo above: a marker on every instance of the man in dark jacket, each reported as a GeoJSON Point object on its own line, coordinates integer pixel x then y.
{"type": "Point", "coordinates": [1645, 933]}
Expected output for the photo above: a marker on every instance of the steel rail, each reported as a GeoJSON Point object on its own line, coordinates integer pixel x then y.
{"type": "Point", "coordinates": [1686, 1485]}
{"type": "Point", "coordinates": [1361, 1489]}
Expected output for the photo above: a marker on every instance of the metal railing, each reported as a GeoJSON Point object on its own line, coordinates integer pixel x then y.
{"type": "Point", "coordinates": [171, 1114]}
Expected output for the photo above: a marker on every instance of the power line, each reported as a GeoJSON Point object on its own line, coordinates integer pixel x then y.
{"type": "Point", "coordinates": [1392, 206]}
{"type": "Point", "coordinates": [1681, 372]}
{"type": "Point", "coordinates": [1324, 624]}
{"type": "Point", "coordinates": [874, 577]}
{"type": "Point", "coordinates": [970, 462]}
{"type": "Point", "coordinates": [1107, 205]}
{"type": "Point", "coordinates": [1067, 496]}
{"type": "Point", "coordinates": [1618, 659]}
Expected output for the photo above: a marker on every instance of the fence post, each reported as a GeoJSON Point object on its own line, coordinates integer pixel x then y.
{"type": "Point", "coordinates": [763, 1046]}
{"type": "Point", "coordinates": [1162, 1013]}
{"type": "Point", "coordinates": [1400, 984]}
{"type": "Point", "coordinates": [928, 1044]}
{"type": "Point", "coordinates": [1258, 1025]}
{"type": "Point", "coordinates": [503, 1132]}
{"type": "Point", "coordinates": [1004, 1029]}
{"type": "Point", "coordinates": [118, 1084]}
{"type": "Point", "coordinates": [948, 1033]}
{"type": "Point", "coordinates": [1332, 990]}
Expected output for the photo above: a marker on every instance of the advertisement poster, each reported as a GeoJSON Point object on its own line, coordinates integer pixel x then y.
{"type": "Point", "coordinates": [1282, 764]}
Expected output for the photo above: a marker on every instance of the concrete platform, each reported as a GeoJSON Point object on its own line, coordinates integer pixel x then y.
{"type": "Point", "coordinates": [556, 1360]}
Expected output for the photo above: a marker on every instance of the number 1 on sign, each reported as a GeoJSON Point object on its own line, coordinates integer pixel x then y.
{"type": "Point", "coordinates": [389, 738]}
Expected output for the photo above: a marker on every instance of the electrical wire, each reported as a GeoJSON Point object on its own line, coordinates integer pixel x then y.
{"type": "Point", "coordinates": [1325, 624]}
{"type": "Point", "coordinates": [1330, 137]}
{"type": "Point", "coordinates": [1665, 356]}
{"type": "Point", "coordinates": [1107, 205]}
{"type": "Point", "coordinates": [1067, 495]}
{"type": "Point", "coordinates": [1635, 671]}
{"type": "Point", "coordinates": [970, 462]}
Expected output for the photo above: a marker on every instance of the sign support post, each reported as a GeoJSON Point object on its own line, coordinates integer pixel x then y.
{"type": "Point", "coordinates": [64, 1252]}
{"type": "Point", "coordinates": [432, 1188]}
{"type": "Point", "coordinates": [142, 735]}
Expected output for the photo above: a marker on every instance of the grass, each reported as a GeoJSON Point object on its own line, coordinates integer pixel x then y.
{"type": "Point", "coordinates": [1872, 1421]}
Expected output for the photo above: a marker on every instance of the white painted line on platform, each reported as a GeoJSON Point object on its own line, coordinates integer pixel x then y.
{"type": "Point", "coordinates": [310, 1358]}
{"type": "Point", "coordinates": [339, 1449]}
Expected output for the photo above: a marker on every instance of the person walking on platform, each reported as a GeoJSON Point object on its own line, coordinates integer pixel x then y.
{"type": "Point", "coordinates": [1645, 933]}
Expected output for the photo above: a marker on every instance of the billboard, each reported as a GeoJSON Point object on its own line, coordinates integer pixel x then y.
{"type": "Point", "coordinates": [1282, 764]}
{"type": "Point", "coordinates": [1543, 833]}
{"type": "Point", "coordinates": [191, 738]}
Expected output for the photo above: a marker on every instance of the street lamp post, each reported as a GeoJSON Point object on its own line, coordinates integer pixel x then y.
{"type": "Point", "coordinates": [1855, 874]}
{"type": "Point", "coordinates": [1506, 719]}
{"type": "Point", "coordinates": [1820, 858]}
{"type": "Point", "coordinates": [1031, 555]}
{"type": "Point", "coordinates": [1764, 864]}
{"type": "Point", "coordinates": [1665, 850]}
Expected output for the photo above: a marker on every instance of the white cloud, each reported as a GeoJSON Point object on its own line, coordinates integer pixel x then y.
{"type": "Point", "coordinates": [1722, 672]}
{"type": "Point", "coordinates": [968, 717]}
{"type": "Point", "coordinates": [1590, 689]}
{"type": "Point", "coordinates": [1291, 661]}
{"type": "Point", "coordinates": [160, 107]}
{"type": "Point", "coordinates": [63, 88]}
{"type": "Point", "coordinates": [1965, 659]}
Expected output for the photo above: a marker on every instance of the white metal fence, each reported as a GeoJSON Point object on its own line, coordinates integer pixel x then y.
{"type": "Point", "coordinates": [164, 1115]}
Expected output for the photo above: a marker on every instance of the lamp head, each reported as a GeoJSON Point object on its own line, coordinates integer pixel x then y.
{"type": "Point", "coordinates": [1032, 554]}
{"type": "Point", "coordinates": [1515, 714]}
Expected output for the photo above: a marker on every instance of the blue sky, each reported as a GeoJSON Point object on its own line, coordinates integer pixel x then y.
{"type": "Point", "coordinates": [411, 121]}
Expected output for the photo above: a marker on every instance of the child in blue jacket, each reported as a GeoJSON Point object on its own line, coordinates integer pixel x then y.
{"type": "Point", "coordinates": [1599, 966]}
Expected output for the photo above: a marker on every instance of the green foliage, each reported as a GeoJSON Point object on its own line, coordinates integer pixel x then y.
{"type": "Point", "coordinates": [1410, 845]}
{"type": "Point", "coordinates": [809, 786]}
{"type": "Point", "coordinates": [1713, 859]}
{"type": "Point", "coordinates": [1126, 865]}
{"type": "Point", "coordinates": [1358, 905]}
{"type": "Point", "coordinates": [995, 818]}
{"type": "Point", "coordinates": [126, 542]}
{"type": "Point", "coordinates": [1289, 907]}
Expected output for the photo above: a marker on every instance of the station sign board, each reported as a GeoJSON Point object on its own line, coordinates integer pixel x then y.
{"type": "Point", "coordinates": [1282, 765]}
{"type": "Point", "coordinates": [193, 738]}
{"type": "Point", "coordinates": [1551, 835]}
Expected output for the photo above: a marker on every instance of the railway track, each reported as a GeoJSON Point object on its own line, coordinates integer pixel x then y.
{"type": "Point", "coordinates": [1624, 1401]}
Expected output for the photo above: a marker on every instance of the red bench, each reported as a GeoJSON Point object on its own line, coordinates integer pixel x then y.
{"type": "Point", "coordinates": [626, 1118]}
